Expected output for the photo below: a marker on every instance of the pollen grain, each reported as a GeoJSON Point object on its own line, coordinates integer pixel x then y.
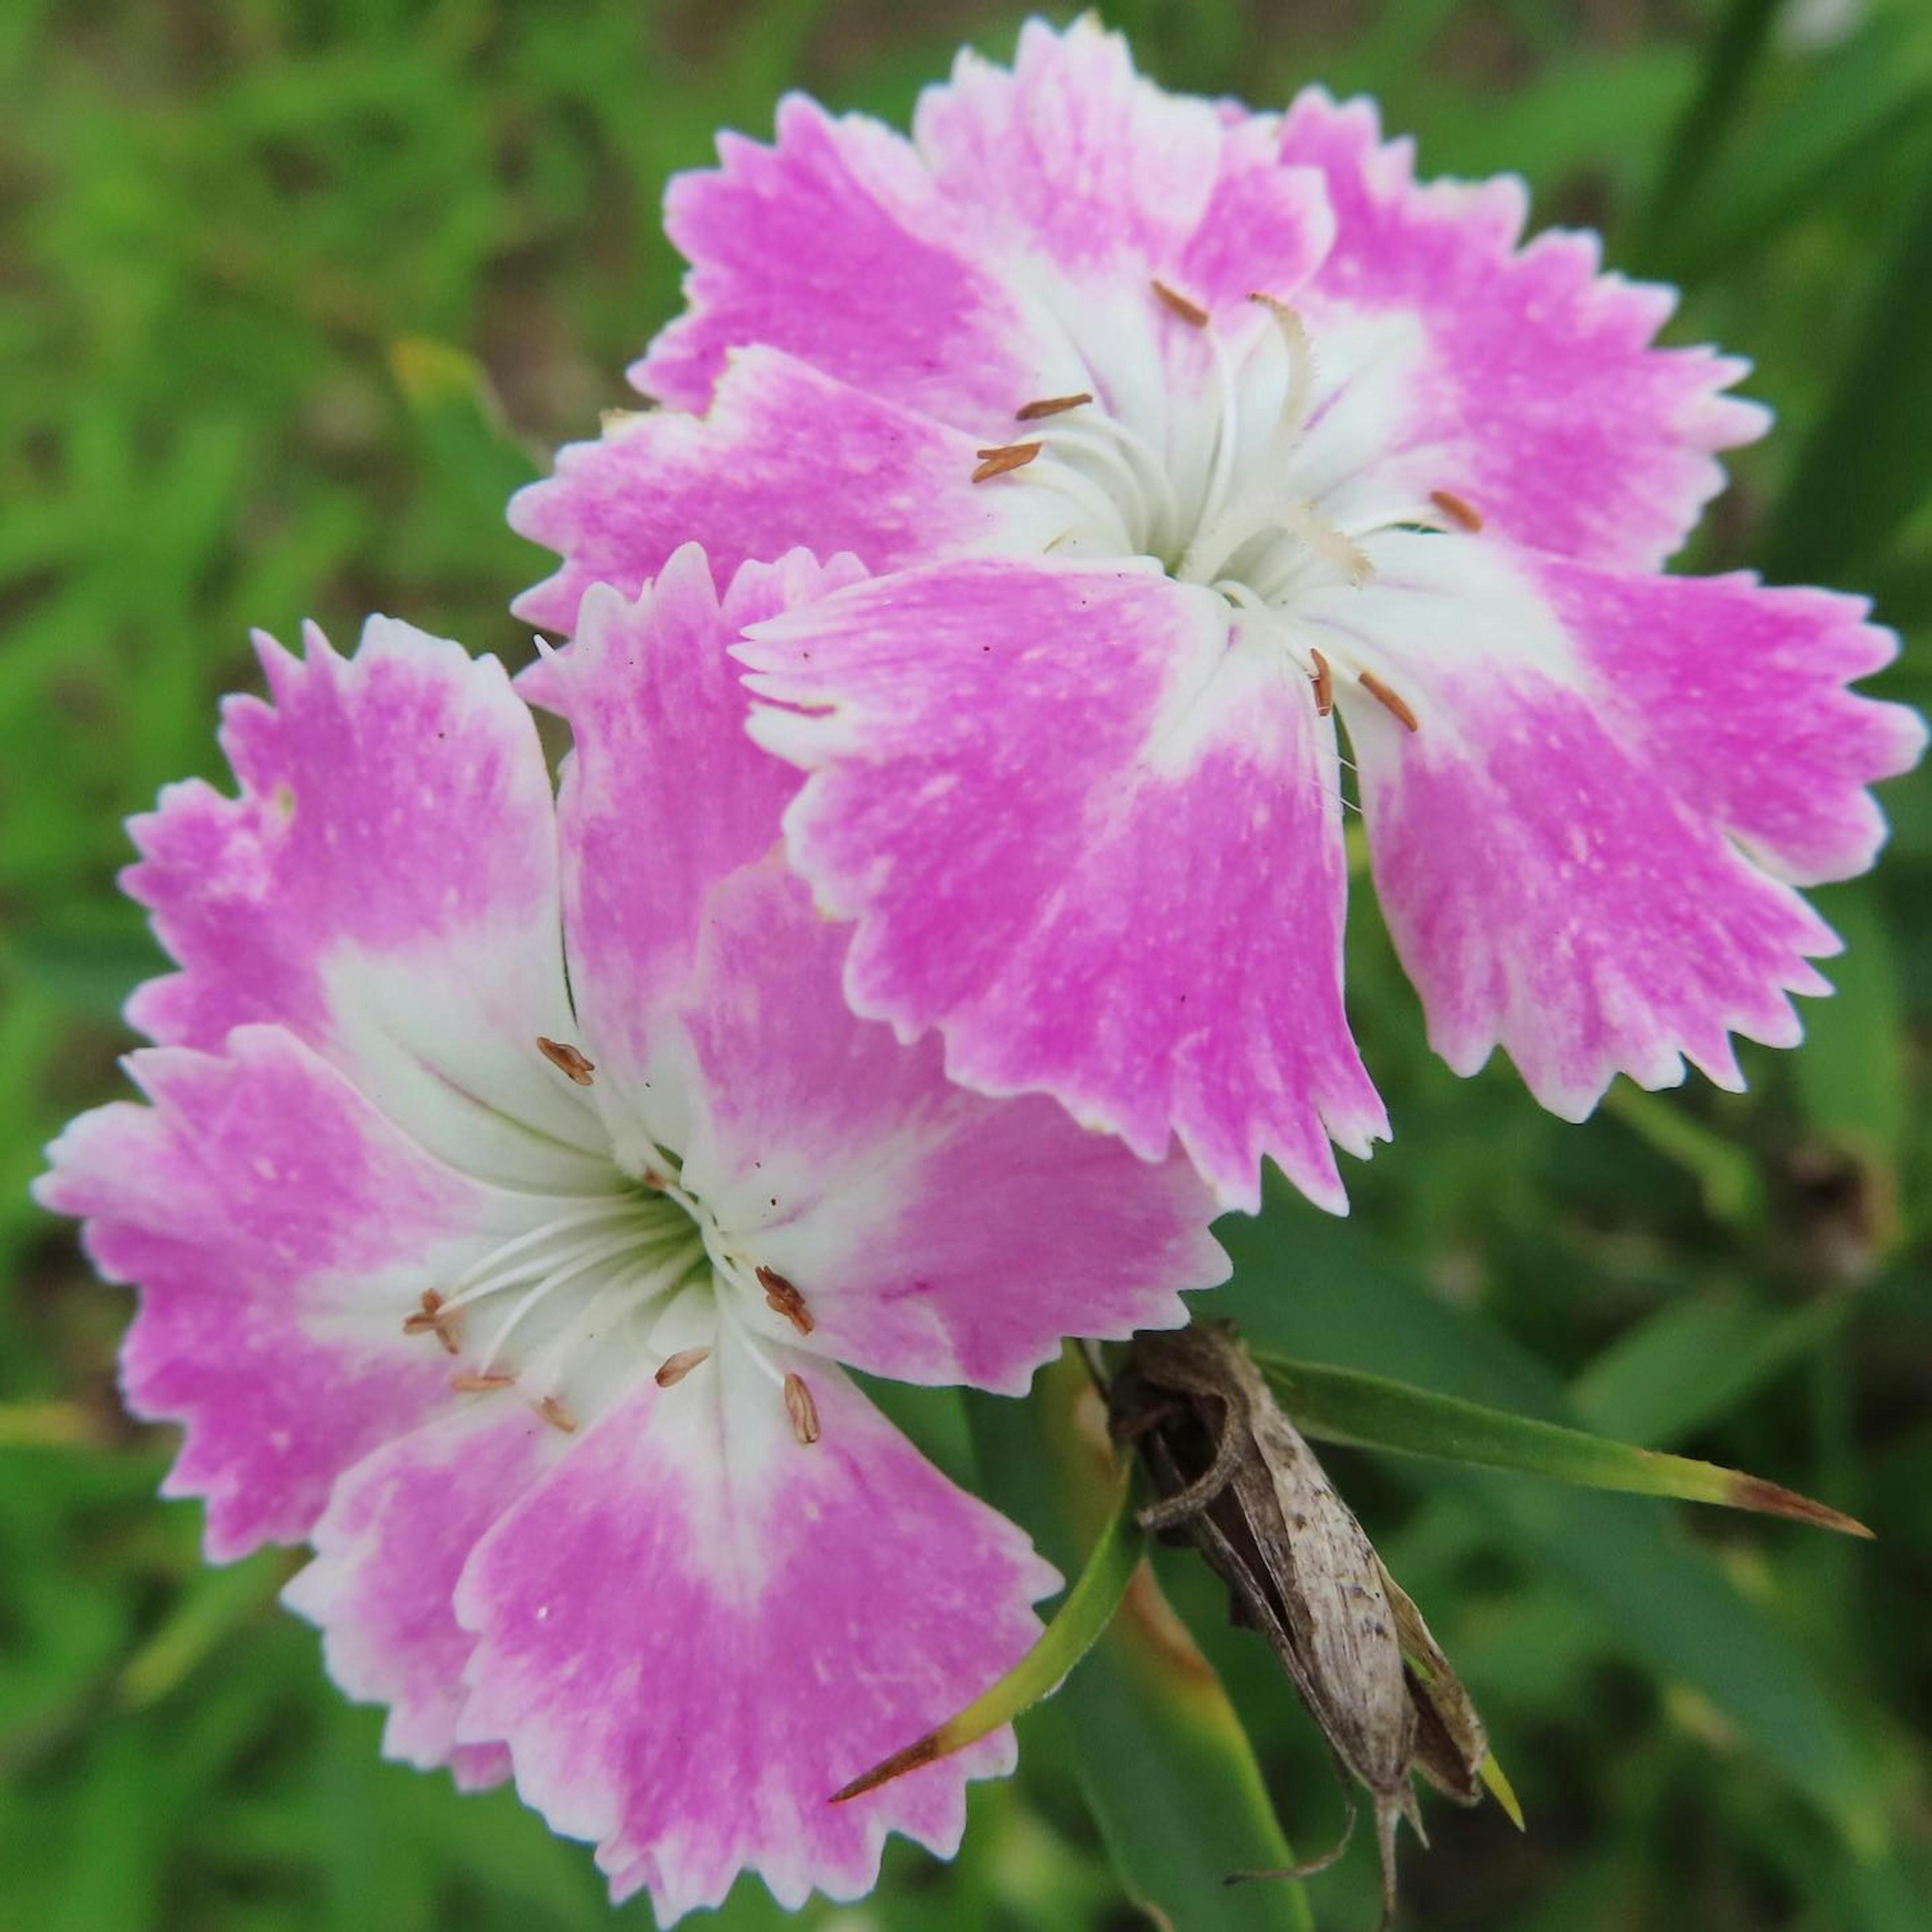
{"type": "Point", "coordinates": [802, 1410]}
{"type": "Point", "coordinates": [1391, 701]}
{"type": "Point", "coordinates": [1004, 460]}
{"type": "Point", "coordinates": [567, 1059]}
{"type": "Point", "coordinates": [1462, 513]}
{"type": "Point", "coordinates": [1191, 313]}
{"type": "Point", "coordinates": [1051, 406]}
{"type": "Point", "coordinates": [782, 1298]}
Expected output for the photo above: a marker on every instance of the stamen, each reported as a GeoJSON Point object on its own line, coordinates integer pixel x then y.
{"type": "Point", "coordinates": [475, 1384]}
{"type": "Point", "coordinates": [802, 1410]}
{"type": "Point", "coordinates": [632, 1246]}
{"type": "Point", "coordinates": [1389, 701]}
{"type": "Point", "coordinates": [1464, 515]}
{"type": "Point", "coordinates": [1190, 312]}
{"type": "Point", "coordinates": [567, 1059]}
{"type": "Point", "coordinates": [602, 1208]}
{"type": "Point", "coordinates": [1008, 456]}
{"type": "Point", "coordinates": [1290, 423]}
{"type": "Point", "coordinates": [1324, 684]}
{"type": "Point", "coordinates": [674, 1368]}
{"type": "Point", "coordinates": [432, 1318]}
{"type": "Point", "coordinates": [784, 1299]}
{"type": "Point", "coordinates": [554, 1413]}
{"type": "Point", "coordinates": [1050, 405]}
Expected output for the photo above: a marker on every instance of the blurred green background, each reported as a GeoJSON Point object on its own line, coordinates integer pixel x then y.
{"type": "Point", "coordinates": [292, 291]}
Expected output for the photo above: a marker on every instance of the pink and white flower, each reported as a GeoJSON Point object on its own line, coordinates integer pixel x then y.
{"type": "Point", "coordinates": [1171, 435]}
{"type": "Point", "coordinates": [525, 1297]}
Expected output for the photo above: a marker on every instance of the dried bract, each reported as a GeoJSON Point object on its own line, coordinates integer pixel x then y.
{"type": "Point", "coordinates": [1237, 1479]}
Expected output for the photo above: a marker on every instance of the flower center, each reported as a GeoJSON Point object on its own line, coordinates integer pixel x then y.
{"type": "Point", "coordinates": [566, 1310]}
{"type": "Point", "coordinates": [1220, 486]}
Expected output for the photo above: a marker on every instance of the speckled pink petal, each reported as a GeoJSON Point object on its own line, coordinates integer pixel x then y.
{"type": "Point", "coordinates": [389, 1549]}
{"type": "Point", "coordinates": [688, 1653]}
{"type": "Point", "coordinates": [663, 795]}
{"type": "Point", "coordinates": [1095, 845]}
{"type": "Point", "coordinates": [280, 1230]}
{"type": "Point", "coordinates": [936, 1236]}
{"type": "Point", "coordinates": [836, 246]}
{"type": "Point", "coordinates": [1560, 846]}
{"type": "Point", "coordinates": [787, 457]}
{"type": "Point", "coordinates": [385, 886]}
{"type": "Point", "coordinates": [1522, 381]}
{"type": "Point", "coordinates": [1071, 158]}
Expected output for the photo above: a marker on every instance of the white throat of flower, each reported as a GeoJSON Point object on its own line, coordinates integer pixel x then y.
{"type": "Point", "coordinates": [1241, 525]}
{"type": "Point", "coordinates": [600, 1287]}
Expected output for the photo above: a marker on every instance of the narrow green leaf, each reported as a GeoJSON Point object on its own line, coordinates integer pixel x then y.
{"type": "Point", "coordinates": [1370, 1411]}
{"type": "Point", "coordinates": [1867, 463]}
{"type": "Point", "coordinates": [1089, 1608]}
{"type": "Point", "coordinates": [1851, 1069]}
{"type": "Point", "coordinates": [1734, 52]}
{"type": "Point", "coordinates": [464, 432]}
{"type": "Point", "coordinates": [1159, 1754]}
{"type": "Point", "coordinates": [1314, 1288]}
{"type": "Point", "coordinates": [212, 1607]}
{"type": "Point", "coordinates": [1726, 1176]}
{"type": "Point", "coordinates": [1694, 1361]}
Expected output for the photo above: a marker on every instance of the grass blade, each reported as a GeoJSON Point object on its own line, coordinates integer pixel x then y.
{"type": "Point", "coordinates": [1370, 1411]}
{"type": "Point", "coordinates": [1076, 1626]}
{"type": "Point", "coordinates": [1159, 1752]}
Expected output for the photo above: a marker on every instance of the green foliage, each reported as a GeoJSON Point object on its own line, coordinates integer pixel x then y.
{"type": "Point", "coordinates": [294, 292]}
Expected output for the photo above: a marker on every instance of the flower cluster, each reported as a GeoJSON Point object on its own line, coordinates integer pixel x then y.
{"type": "Point", "coordinates": [939, 916]}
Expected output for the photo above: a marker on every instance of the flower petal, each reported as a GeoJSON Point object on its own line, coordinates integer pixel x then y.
{"type": "Point", "coordinates": [1073, 159]}
{"type": "Point", "coordinates": [385, 886]}
{"type": "Point", "coordinates": [787, 457]}
{"type": "Point", "coordinates": [1557, 845]}
{"type": "Point", "coordinates": [1522, 381]}
{"type": "Point", "coordinates": [280, 1230]}
{"type": "Point", "coordinates": [936, 1236]}
{"type": "Point", "coordinates": [836, 247]}
{"type": "Point", "coordinates": [663, 795]}
{"type": "Point", "coordinates": [1092, 840]}
{"type": "Point", "coordinates": [698, 1628]}
{"type": "Point", "coordinates": [389, 1549]}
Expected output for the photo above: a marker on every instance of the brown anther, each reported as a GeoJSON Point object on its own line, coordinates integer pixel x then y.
{"type": "Point", "coordinates": [467, 1384]}
{"type": "Point", "coordinates": [674, 1368]}
{"type": "Point", "coordinates": [567, 1059]}
{"type": "Point", "coordinates": [1051, 406]}
{"type": "Point", "coordinates": [554, 1413]}
{"type": "Point", "coordinates": [781, 1298]}
{"type": "Point", "coordinates": [431, 1319]}
{"type": "Point", "coordinates": [1325, 684]}
{"type": "Point", "coordinates": [1390, 701]}
{"type": "Point", "coordinates": [1173, 300]}
{"type": "Point", "coordinates": [1464, 515]}
{"type": "Point", "coordinates": [802, 1410]}
{"type": "Point", "coordinates": [1008, 456]}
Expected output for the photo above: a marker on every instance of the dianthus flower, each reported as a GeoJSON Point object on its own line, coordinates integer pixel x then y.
{"type": "Point", "coordinates": [1172, 436]}
{"type": "Point", "coordinates": [524, 1298]}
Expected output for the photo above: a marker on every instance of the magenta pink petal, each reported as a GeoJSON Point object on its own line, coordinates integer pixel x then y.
{"type": "Point", "coordinates": [1094, 841]}
{"type": "Point", "coordinates": [936, 1236]}
{"type": "Point", "coordinates": [787, 457]}
{"type": "Point", "coordinates": [1740, 693]}
{"type": "Point", "coordinates": [384, 885]}
{"type": "Point", "coordinates": [1562, 847]}
{"type": "Point", "coordinates": [663, 794]}
{"type": "Point", "coordinates": [1531, 389]}
{"type": "Point", "coordinates": [836, 246]}
{"type": "Point", "coordinates": [687, 1654]}
{"type": "Point", "coordinates": [1071, 159]}
{"type": "Point", "coordinates": [389, 1549]}
{"type": "Point", "coordinates": [280, 1230]}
